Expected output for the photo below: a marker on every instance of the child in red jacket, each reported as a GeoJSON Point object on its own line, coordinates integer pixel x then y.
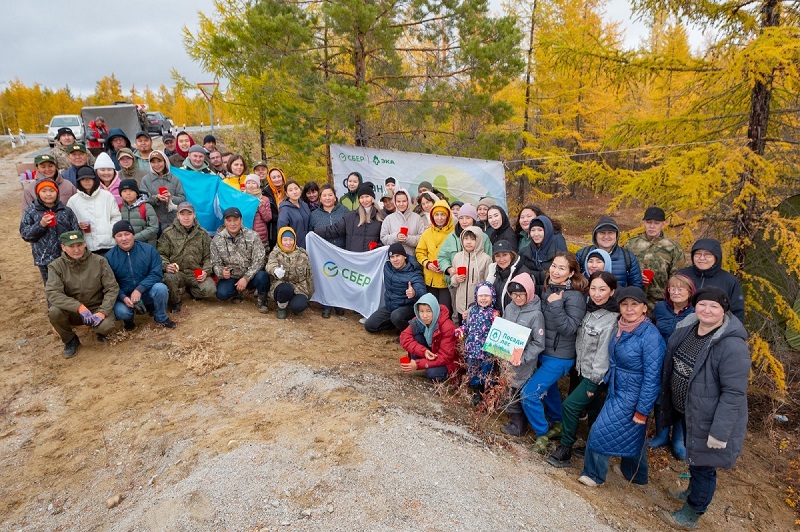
{"type": "Point", "coordinates": [430, 340]}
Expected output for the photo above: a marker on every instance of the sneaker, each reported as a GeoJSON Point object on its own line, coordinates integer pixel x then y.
{"type": "Point", "coordinates": [129, 325]}
{"type": "Point", "coordinates": [167, 324]}
{"type": "Point", "coordinates": [101, 338]}
{"type": "Point", "coordinates": [71, 347]}
{"type": "Point", "coordinates": [362, 321]}
{"type": "Point", "coordinates": [326, 312]}
{"type": "Point", "coordinates": [560, 458]}
{"type": "Point", "coordinates": [176, 307]}
{"type": "Point", "coordinates": [586, 481]}
{"type": "Point", "coordinates": [282, 313]}
{"type": "Point", "coordinates": [339, 311]}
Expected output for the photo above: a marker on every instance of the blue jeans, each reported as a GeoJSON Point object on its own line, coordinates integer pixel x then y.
{"type": "Point", "coordinates": [226, 288]}
{"type": "Point", "coordinates": [702, 485]}
{"type": "Point", "coordinates": [595, 466]}
{"type": "Point", "coordinates": [436, 373]}
{"type": "Point", "coordinates": [541, 392]}
{"type": "Point", "coordinates": [157, 296]}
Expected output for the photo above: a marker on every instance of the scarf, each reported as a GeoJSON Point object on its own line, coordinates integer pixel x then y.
{"type": "Point", "coordinates": [629, 326]}
{"type": "Point", "coordinates": [610, 305]}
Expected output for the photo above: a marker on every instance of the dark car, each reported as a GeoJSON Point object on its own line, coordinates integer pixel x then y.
{"type": "Point", "coordinates": [158, 123]}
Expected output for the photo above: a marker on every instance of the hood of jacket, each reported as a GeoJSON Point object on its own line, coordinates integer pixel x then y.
{"type": "Point", "coordinates": [442, 205]}
{"type": "Point", "coordinates": [547, 225]}
{"type": "Point", "coordinates": [280, 244]}
{"type": "Point", "coordinates": [178, 149]}
{"type": "Point", "coordinates": [491, 287]}
{"type": "Point", "coordinates": [167, 167]}
{"type": "Point", "coordinates": [713, 246]}
{"type": "Point", "coordinates": [477, 233]}
{"type": "Point", "coordinates": [506, 224]}
{"type": "Point", "coordinates": [605, 221]}
{"type": "Point", "coordinates": [603, 255]}
{"type": "Point", "coordinates": [117, 132]}
{"type": "Point", "coordinates": [525, 280]}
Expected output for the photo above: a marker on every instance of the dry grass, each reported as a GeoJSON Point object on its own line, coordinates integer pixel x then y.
{"type": "Point", "coordinates": [199, 353]}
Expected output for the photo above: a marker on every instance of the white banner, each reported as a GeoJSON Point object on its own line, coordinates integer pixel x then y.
{"type": "Point", "coordinates": [346, 279]}
{"type": "Point", "coordinates": [459, 178]}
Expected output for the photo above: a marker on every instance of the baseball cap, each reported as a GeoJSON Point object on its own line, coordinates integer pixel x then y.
{"type": "Point", "coordinates": [72, 148]}
{"type": "Point", "coordinates": [186, 206]}
{"type": "Point", "coordinates": [231, 211]}
{"type": "Point", "coordinates": [45, 158]}
{"type": "Point", "coordinates": [71, 237]}
{"type": "Point", "coordinates": [654, 213]}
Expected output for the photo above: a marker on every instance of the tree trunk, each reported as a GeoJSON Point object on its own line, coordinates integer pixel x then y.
{"type": "Point", "coordinates": [760, 98]}
{"type": "Point", "coordinates": [359, 64]}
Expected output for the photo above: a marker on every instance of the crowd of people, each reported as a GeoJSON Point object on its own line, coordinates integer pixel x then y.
{"type": "Point", "coordinates": [635, 328]}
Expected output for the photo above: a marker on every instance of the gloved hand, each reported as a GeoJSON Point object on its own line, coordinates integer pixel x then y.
{"type": "Point", "coordinates": [280, 272]}
{"type": "Point", "coordinates": [97, 318]}
{"type": "Point", "coordinates": [86, 315]}
{"type": "Point", "coordinates": [714, 443]}
{"type": "Point", "coordinates": [139, 307]}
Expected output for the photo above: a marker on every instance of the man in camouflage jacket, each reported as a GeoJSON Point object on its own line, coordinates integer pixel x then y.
{"type": "Point", "coordinates": [238, 258]}
{"type": "Point", "coordinates": [656, 252]}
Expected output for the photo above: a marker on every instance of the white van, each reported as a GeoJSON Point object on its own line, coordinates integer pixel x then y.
{"type": "Point", "coordinates": [74, 122]}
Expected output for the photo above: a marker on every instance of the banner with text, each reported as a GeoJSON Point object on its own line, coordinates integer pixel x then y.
{"type": "Point", "coordinates": [458, 178]}
{"type": "Point", "coordinates": [346, 279]}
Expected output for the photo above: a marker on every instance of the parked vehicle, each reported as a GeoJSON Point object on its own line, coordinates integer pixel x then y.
{"type": "Point", "coordinates": [158, 123]}
{"type": "Point", "coordinates": [74, 122]}
{"type": "Point", "coordinates": [124, 116]}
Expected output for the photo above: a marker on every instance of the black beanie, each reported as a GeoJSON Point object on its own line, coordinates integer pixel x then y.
{"type": "Point", "coordinates": [712, 293]}
{"type": "Point", "coordinates": [366, 189]}
{"type": "Point", "coordinates": [122, 225]}
{"type": "Point", "coordinates": [397, 249]}
{"type": "Point", "coordinates": [129, 184]}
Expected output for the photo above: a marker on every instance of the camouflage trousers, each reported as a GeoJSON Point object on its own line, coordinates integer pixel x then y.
{"type": "Point", "coordinates": [175, 281]}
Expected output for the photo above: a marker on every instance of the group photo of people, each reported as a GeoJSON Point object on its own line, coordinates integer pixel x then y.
{"type": "Point", "coordinates": [621, 332]}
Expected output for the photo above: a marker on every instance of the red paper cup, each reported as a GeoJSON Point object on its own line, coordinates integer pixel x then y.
{"type": "Point", "coordinates": [461, 270]}
{"type": "Point", "coordinates": [435, 263]}
{"type": "Point", "coordinates": [648, 275]}
{"type": "Point", "coordinates": [88, 227]}
{"type": "Point", "coordinates": [405, 360]}
{"type": "Point", "coordinates": [53, 220]}
{"type": "Point", "coordinates": [163, 190]}
{"type": "Point", "coordinates": [372, 245]}
{"type": "Point", "coordinates": [404, 231]}
{"type": "Point", "coordinates": [198, 272]}
{"type": "Point", "coordinates": [241, 186]}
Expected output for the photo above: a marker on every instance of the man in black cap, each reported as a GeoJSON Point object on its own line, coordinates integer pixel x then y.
{"type": "Point", "coordinates": [624, 265]}
{"type": "Point", "coordinates": [238, 259]}
{"type": "Point", "coordinates": [137, 268]}
{"type": "Point", "coordinates": [81, 289]}
{"type": "Point", "coordinates": [660, 257]}
{"type": "Point", "coordinates": [403, 286]}
{"type": "Point", "coordinates": [78, 156]}
{"type": "Point", "coordinates": [144, 147]}
{"type": "Point", "coordinates": [169, 144]}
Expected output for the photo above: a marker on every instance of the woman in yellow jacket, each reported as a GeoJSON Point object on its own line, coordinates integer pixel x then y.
{"type": "Point", "coordinates": [428, 250]}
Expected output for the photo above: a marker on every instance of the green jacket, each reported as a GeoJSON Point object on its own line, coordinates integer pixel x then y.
{"type": "Point", "coordinates": [244, 254]}
{"type": "Point", "coordinates": [190, 250]}
{"type": "Point", "coordinates": [87, 281]}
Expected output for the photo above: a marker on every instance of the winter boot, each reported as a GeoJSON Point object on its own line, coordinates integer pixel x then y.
{"type": "Point", "coordinates": [684, 519]}
{"type": "Point", "coordinates": [661, 438]}
{"type": "Point", "coordinates": [517, 426]}
{"type": "Point", "coordinates": [561, 457]}
{"type": "Point", "coordinates": [262, 303]}
{"type": "Point", "coordinates": [678, 445]}
{"type": "Point", "coordinates": [555, 431]}
{"type": "Point", "coordinates": [282, 311]}
{"type": "Point", "coordinates": [71, 347]}
{"type": "Point", "coordinates": [540, 445]}
{"type": "Point", "coordinates": [682, 495]}
{"type": "Point", "coordinates": [477, 394]}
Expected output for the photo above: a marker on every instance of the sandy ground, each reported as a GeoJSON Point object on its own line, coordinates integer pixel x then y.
{"type": "Point", "coordinates": [238, 421]}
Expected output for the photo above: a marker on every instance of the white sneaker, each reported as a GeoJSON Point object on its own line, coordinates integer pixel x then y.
{"type": "Point", "coordinates": [362, 321]}
{"type": "Point", "coordinates": [586, 481]}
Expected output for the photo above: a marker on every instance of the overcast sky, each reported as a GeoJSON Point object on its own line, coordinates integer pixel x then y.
{"type": "Point", "coordinates": [76, 43]}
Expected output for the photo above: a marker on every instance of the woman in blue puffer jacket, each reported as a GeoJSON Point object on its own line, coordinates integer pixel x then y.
{"type": "Point", "coordinates": [634, 380]}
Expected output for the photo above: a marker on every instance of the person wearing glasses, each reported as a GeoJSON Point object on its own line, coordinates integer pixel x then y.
{"type": "Point", "coordinates": [706, 270]}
